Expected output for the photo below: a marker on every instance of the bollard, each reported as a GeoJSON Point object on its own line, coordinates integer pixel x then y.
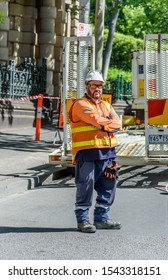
{"type": "Point", "coordinates": [38, 116]}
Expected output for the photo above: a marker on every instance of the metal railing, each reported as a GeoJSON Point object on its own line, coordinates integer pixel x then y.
{"type": "Point", "coordinates": [119, 88]}
{"type": "Point", "coordinates": [27, 79]}
{"type": "Point", "coordinates": [22, 80]}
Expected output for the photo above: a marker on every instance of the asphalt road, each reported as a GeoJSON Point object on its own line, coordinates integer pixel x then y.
{"type": "Point", "coordinates": [40, 224]}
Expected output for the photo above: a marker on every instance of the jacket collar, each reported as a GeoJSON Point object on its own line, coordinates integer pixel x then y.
{"type": "Point", "coordinates": [91, 100]}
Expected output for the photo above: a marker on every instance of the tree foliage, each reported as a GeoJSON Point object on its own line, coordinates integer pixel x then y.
{"type": "Point", "coordinates": [2, 12]}
{"type": "Point", "coordinates": [2, 17]}
{"type": "Point", "coordinates": [129, 17]}
{"type": "Point", "coordinates": [123, 45]}
{"type": "Point", "coordinates": [143, 17]}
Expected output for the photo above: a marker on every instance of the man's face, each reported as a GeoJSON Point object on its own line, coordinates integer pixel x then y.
{"type": "Point", "coordinates": [94, 89]}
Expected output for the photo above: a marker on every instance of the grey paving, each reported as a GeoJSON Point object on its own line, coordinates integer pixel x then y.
{"type": "Point", "coordinates": [37, 214]}
{"type": "Point", "coordinates": [40, 224]}
{"type": "Point", "coordinates": [23, 160]}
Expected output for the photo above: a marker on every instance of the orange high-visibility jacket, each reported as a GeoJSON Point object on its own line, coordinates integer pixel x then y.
{"type": "Point", "coordinates": [92, 125]}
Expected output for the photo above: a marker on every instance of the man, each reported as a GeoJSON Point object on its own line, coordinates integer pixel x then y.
{"type": "Point", "coordinates": [93, 123]}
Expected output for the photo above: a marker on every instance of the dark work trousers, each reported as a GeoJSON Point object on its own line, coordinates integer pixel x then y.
{"type": "Point", "coordinates": [88, 177]}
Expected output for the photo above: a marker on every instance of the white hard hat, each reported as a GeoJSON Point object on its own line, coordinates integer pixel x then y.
{"type": "Point", "coordinates": [94, 75]}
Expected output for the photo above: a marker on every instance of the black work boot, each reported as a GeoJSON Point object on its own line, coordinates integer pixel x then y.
{"type": "Point", "coordinates": [107, 225]}
{"type": "Point", "coordinates": [86, 227]}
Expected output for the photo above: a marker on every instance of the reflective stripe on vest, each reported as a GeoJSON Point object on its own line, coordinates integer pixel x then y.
{"type": "Point", "coordinates": [83, 128]}
{"type": "Point", "coordinates": [96, 142]}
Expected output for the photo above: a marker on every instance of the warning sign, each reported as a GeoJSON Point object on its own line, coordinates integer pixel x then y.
{"type": "Point", "coordinates": [141, 88]}
{"type": "Point", "coordinates": [84, 29]}
{"type": "Point", "coordinates": [107, 97]}
{"type": "Point", "coordinates": [157, 112]}
{"type": "Point", "coordinates": [81, 27]}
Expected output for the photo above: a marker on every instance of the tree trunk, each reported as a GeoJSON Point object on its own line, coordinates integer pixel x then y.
{"type": "Point", "coordinates": [84, 11]}
{"type": "Point", "coordinates": [113, 17]}
{"type": "Point", "coordinates": [99, 33]}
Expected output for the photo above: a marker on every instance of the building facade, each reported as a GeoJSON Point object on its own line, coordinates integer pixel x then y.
{"type": "Point", "coordinates": [36, 29]}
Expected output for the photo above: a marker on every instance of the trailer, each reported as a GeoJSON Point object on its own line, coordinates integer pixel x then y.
{"type": "Point", "coordinates": [150, 93]}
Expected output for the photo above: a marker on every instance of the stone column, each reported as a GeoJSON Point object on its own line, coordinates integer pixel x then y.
{"type": "Point", "coordinates": [47, 40]}
{"type": "Point", "coordinates": [22, 34]}
{"type": "Point", "coordinates": [66, 26]}
{"type": "Point", "coordinates": [75, 17]}
{"type": "Point", "coordinates": [4, 29]}
{"type": "Point", "coordinates": [60, 30]}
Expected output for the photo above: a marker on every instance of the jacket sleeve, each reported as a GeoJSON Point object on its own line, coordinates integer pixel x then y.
{"type": "Point", "coordinates": [88, 114]}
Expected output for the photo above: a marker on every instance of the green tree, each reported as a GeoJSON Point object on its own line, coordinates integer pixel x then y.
{"type": "Point", "coordinates": [99, 32]}
{"type": "Point", "coordinates": [123, 46]}
{"type": "Point", "coordinates": [128, 17]}
{"type": "Point", "coordinates": [2, 17]}
{"type": "Point", "coordinates": [143, 17]}
{"type": "Point", "coordinates": [106, 13]}
{"type": "Point", "coordinates": [113, 9]}
{"type": "Point", "coordinates": [84, 11]}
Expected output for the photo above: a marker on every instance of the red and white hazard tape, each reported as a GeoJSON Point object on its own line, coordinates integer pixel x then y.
{"type": "Point", "coordinates": [25, 98]}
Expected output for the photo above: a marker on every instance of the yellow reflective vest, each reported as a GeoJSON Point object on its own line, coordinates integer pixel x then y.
{"type": "Point", "coordinates": [92, 125]}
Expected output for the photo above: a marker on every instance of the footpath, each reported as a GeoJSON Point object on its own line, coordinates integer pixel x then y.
{"type": "Point", "coordinates": [24, 162]}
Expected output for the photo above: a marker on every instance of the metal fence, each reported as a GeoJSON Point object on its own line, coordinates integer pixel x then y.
{"type": "Point", "coordinates": [119, 88]}
{"type": "Point", "coordinates": [22, 80]}
{"type": "Point", "coordinates": [27, 79]}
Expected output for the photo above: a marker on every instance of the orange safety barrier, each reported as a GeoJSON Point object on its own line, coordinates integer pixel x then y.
{"type": "Point", "coordinates": [38, 116]}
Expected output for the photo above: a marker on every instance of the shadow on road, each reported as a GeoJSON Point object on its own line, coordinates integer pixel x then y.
{"type": "Point", "coordinates": [33, 229]}
{"type": "Point", "coordinates": [130, 177]}
{"type": "Point", "coordinates": [143, 176]}
{"type": "Point", "coordinates": [25, 140]}
{"type": "Point", "coordinates": [17, 143]}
